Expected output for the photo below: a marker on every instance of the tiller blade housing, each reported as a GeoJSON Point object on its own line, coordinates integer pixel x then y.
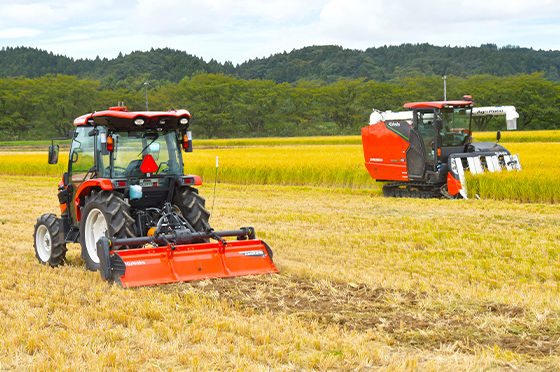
{"type": "Point", "coordinates": [179, 260]}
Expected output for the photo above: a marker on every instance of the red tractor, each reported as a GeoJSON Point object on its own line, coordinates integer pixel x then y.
{"type": "Point", "coordinates": [424, 152]}
{"type": "Point", "coordinates": [138, 218]}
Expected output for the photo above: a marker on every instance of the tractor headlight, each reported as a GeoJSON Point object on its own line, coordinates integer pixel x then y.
{"type": "Point", "coordinates": [184, 121]}
{"type": "Point", "coordinates": [139, 122]}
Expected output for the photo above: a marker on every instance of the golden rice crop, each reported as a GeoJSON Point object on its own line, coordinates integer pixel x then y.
{"type": "Point", "coordinates": [538, 181]}
{"type": "Point", "coordinates": [327, 165]}
{"type": "Point", "coordinates": [333, 166]}
{"type": "Point", "coordinates": [17, 163]}
{"type": "Point", "coordinates": [278, 141]}
{"type": "Point", "coordinates": [519, 136]}
{"type": "Point", "coordinates": [507, 136]}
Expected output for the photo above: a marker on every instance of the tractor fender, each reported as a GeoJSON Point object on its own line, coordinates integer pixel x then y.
{"type": "Point", "coordinates": [85, 189]}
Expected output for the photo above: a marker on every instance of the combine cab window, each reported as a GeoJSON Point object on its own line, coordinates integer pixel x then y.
{"type": "Point", "coordinates": [426, 129]}
{"type": "Point", "coordinates": [456, 124]}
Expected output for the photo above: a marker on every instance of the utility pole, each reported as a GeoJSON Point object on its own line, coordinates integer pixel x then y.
{"type": "Point", "coordinates": [146, 84]}
{"type": "Point", "coordinates": [444, 90]}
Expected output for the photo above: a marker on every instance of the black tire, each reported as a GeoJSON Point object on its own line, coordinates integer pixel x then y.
{"type": "Point", "coordinates": [105, 213]}
{"type": "Point", "coordinates": [191, 205]}
{"type": "Point", "coordinates": [48, 241]}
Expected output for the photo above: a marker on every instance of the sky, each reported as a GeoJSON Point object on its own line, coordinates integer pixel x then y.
{"type": "Point", "coordinates": [239, 30]}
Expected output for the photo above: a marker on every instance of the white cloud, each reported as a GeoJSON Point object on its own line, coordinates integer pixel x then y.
{"type": "Point", "coordinates": [243, 29]}
{"type": "Point", "coordinates": [14, 33]}
{"type": "Point", "coordinates": [362, 24]}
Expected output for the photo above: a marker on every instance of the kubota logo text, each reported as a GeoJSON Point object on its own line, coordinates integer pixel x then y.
{"type": "Point", "coordinates": [253, 253]}
{"type": "Point", "coordinates": [394, 124]}
{"type": "Point", "coordinates": [134, 263]}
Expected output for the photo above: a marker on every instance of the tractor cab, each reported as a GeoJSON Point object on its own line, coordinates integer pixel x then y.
{"type": "Point", "coordinates": [139, 153]}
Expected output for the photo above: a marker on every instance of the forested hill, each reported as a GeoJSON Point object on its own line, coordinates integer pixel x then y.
{"type": "Point", "coordinates": [327, 63]}
{"type": "Point", "coordinates": [158, 64]}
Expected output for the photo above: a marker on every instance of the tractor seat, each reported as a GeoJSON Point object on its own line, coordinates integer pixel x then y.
{"type": "Point", "coordinates": [133, 169]}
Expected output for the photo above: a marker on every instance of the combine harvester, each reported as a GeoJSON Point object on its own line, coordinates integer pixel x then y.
{"type": "Point", "coordinates": [424, 152]}
{"type": "Point", "coordinates": [137, 217]}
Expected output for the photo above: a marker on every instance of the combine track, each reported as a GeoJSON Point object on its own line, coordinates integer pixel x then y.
{"type": "Point", "coordinates": [412, 190]}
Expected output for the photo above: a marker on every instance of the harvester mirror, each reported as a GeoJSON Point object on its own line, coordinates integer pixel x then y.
{"type": "Point", "coordinates": [53, 154]}
{"type": "Point", "coordinates": [439, 124]}
{"type": "Point", "coordinates": [498, 136]}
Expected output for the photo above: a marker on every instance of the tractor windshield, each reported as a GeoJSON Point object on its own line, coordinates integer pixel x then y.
{"type": "Point", "coordinates": [456, 126]}
{"type": "Point", "coordinates": [130, 150]}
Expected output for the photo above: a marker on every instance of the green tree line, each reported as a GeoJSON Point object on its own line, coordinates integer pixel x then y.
{"type": "Point", "coordinates": [328, 63]}
{"type": "Point", "coordinates": [224, 106]}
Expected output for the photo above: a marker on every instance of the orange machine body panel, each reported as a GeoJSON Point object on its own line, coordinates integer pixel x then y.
{"type": "Point", "coordinates": [453, 184]}
{"type": "Point", "coordinates": [385, 144]}
{"type": "Point", "coordinates": [149, 266]}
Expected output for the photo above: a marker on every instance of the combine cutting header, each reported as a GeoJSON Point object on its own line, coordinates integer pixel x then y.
{"type": "Point", "coordinates": [137, 217]}
{"type": "Point", "coordinates": [424, 152]}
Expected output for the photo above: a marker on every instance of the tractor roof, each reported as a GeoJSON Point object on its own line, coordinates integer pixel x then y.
{"type": "Point", "coordinates": [439, 104]}
{"type": "Point", "coordinates": [120, 119]}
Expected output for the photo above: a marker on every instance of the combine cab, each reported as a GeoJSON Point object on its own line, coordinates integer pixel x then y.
{"type": "Point", "coordinates": [424, 152]}
{"type": "Point", "coordinates": [137, 217]}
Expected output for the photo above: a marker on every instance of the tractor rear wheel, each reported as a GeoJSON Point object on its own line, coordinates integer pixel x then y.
{"type": "Point", "coordinates": [105, 214]}
{"type": "Point", "coordinates": [191, 206]}
{"type": "Point", "coordinates": [48, 241]}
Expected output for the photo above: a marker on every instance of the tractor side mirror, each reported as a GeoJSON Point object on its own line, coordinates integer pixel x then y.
{"type": "Point", "coordinates": [498, 136]}
{"type": "Point", "coordinates": [53, 154]}
{"type": "Point", "coordinates": [153, 150]}
{"type": "Point", "coordinates": [439, 124]}
{"type": "Point", "coordinates": [65, 178]}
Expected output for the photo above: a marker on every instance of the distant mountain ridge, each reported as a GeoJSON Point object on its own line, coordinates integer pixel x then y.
{"type": "Point", "coordinates": [328, 63]}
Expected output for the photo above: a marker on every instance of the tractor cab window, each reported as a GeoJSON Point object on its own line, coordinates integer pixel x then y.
{"type": "Point", "coordinates": [82, 154]}
{"type": "Point", "coordinates": [131, 149]}
{"type": "Point", "coordinates": [456, 126]}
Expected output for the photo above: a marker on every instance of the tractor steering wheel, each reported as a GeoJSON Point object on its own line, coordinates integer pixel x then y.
{"type": "Point", "coordinates": [121, 170]}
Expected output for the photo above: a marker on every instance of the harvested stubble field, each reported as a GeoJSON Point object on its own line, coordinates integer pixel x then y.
{"type": "Point", "coordinates": [366, 283]}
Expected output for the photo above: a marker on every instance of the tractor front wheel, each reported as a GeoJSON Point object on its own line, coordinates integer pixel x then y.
{"type": "Point", "coordinates": [104, 214]}
{"type": "Point", "coordinates": [48, 241]}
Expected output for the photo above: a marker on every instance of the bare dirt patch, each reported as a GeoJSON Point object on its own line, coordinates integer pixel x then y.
{"type": "Point", "coordinates": [408, 317]}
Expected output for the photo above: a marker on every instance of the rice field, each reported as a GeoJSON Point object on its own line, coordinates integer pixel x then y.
{"type": "Point", "coordinates": [331, 165]}
{"type": "Point", "coordinates": [507, 136]}
{"type": "Point", "coordinates": [537, 182]}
